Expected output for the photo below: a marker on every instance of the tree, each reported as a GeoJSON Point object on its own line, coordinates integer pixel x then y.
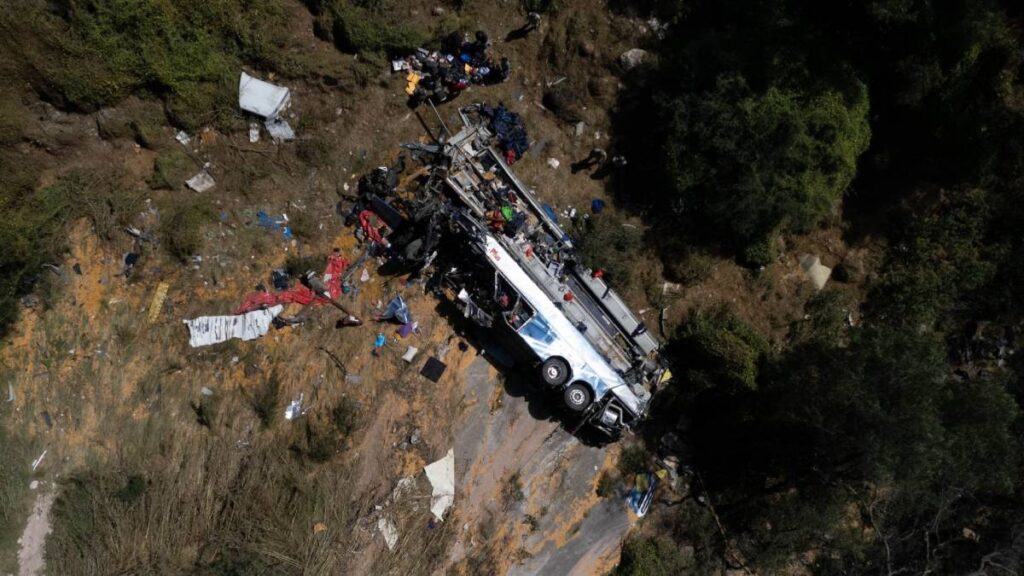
{"type": "Point", "coordinates": [749, 163]}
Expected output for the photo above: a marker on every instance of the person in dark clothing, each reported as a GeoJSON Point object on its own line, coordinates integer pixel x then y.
{"type": "Point", "coordinates": [597, 157]}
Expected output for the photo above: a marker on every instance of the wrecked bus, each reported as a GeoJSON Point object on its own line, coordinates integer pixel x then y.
{"type": "Point", "coordinates": [511, 298]}
{"type": "Point", "coordinates": [524, 276]}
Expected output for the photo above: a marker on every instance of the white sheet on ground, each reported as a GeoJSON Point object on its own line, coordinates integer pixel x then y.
{"type": "Point", "coordinates": [263, 98]}
{"type": "Point", "coordinates": [207, 330]}
{"type": "Point", "coordinates": [201, 182]}
{"type": "Point", "coordinates": [441, 475]}
{"type": "Point", "coordinates": [388, 531]}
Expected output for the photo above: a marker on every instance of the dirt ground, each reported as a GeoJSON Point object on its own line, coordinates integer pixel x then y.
{"type": "Point", "coordinates": [96, 382]}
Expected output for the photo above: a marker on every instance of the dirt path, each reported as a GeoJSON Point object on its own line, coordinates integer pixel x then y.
{"type": "Point", "coordinates": [557, 525]}
{"type": "Point", "coordinates": [33, 539]}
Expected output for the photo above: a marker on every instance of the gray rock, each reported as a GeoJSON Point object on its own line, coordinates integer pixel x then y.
{"type": "Point", "coordinates": [632, 58]}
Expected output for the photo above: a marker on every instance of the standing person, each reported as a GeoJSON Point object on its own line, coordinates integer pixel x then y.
{"type": "Point", "coordinates": [597, 157]}
{"type": "Point", "coordinates": [532, 22]}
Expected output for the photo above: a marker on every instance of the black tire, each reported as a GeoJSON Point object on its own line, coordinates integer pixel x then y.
{"type": "Point", "coordinates": [577, 397]}
{"type": "Point", "coordinates": [555, 371]}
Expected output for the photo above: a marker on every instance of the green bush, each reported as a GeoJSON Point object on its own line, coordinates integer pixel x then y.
{"type": "Point", "coordinates": [719, 349]}
{"type": "Point", "coordinates": [690, 266]}
{"type": "Point", "coordinates": [180, 229]}
{"type": "Point", "coordinates": [189, 52]}
{"type": "Point", "coordinates": [368, 26]}
{"type": "Point", "coordinates": [633, 460]}
{"type": "Point", "coordinates": [169, 170]}
{"type": "Point", "coordinates": [761, 252]}
{"type": "Point", "coordinates": [744, 162]}
{"type": "Point", "coordinates": [651, 556]}
{"type": "Point", "coordinates": [609, 243]}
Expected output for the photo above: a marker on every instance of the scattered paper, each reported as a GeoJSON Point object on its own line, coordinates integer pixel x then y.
{"type": "Point", "coordinates": [294, 409]}
{"type": "Point", "coordinates": [183, 137]}
{"type": "Point", "coordinates": [201, 182]}
{"type": "Point", "coordinates": [254, 132]}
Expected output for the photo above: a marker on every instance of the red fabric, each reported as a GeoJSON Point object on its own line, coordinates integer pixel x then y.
{"type": "Point", "coordinates": [510, 157]}
{"type": "Point", "coordinates": [568, 297]}
{"type": "Point", "coordinates": [299, 294]}
{"type": "Point", "coordinates": [371, 232]}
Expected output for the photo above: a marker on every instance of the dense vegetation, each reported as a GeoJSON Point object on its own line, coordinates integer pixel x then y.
{"type": "Point", "coordinates": [892, 446]}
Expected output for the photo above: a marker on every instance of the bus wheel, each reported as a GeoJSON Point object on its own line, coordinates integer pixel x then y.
{"type": "Point", "coordinates": [577, 397]}
{"type": "Point", "coordinates": [555, 371]}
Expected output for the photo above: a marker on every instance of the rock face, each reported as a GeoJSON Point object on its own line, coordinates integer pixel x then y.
{"type": "Point", "coordinates": [632, 58]}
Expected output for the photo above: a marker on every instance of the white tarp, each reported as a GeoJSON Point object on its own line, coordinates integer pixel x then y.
{"type": "Point", "coordinates": [815, 270]}
{"type": "Point", "coordinates": [441, 475]}
{"type": "Point", "coordinates": [207, 330]}
{"type": "Point", "coordinates": [388, 531]}
{"type": "Point", "coordinates": [262, 98]}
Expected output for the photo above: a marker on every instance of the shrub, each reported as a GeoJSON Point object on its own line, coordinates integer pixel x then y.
{"type": "Point", "coordinates": [633, 460]}
{"type": "Point", "coordinates": [719, 349]}
{"type": "Point", "coordinates": [761, 252]}
{"type": "Point", "coordinates": [691, 266]}
{"type": "Point", "coordinates": [188, 52]}
{"type": "Point", "coordinates": [651, 556]}
{"type": "Point", "coordinates": [609, 243]}
{"type": "Point", "coordinates": [180, 229]}
{"type": "Point", "coordinates": [169, 170]}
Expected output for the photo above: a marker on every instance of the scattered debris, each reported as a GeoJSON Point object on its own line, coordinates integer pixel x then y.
{"type": "Point", "coordinates": [294, 408]}
{"type": "Point", "coordinates": [441, 475]}
{"type": "Point", "coordinates": [433, 369]}
{"type": "Point", "coordinates": [597, 205]}
{"type": "Point", "coordinates": [77, 268]}
{"type": "Point", "coordinates": [314, 291]}
{"type": "Point", "coordinates": [398, 310]}
{"type": "Point", "coordinates": [262, 98]}
{"type": "Point", "coordinates": [319, 527]}
{"type": "Point", "coordinates": [207, 330]}
{"type": "Point", "coordinates": [10, 392]}
{"type": "Point", "coordinates": [38, 461]}
{"type": "Point", "coordinates": [554, 163]}
{"type": "Point", "coordinates": [279, 130]}
{"type": "Point", "coordinates": [201, 182]}
{"type": "Point", "coordinates": [410, 354]}
{"type": "Point", "coordinates": [158, 301]}
{"type": "Point", "coordinates": [183, 138]}
{"type": "Point", "coordinates": [388, 531]}
{"type": "Point", "coordinates": [206, 391]}
{"type": "Point", "coordinates": [813, 268]}
{"type": "Point", "coordinates": [441, 76]}
{"type": "Point", "coordinates": [379, 343]}
{"type": "Point", "coordinates": [254, 132]}
{"type": "Point", "coordinates": [641, 495]}
{"type": "Point", "coordinates": [365, 276]}
{"type": "Point", "coordinates": [47, 419]}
